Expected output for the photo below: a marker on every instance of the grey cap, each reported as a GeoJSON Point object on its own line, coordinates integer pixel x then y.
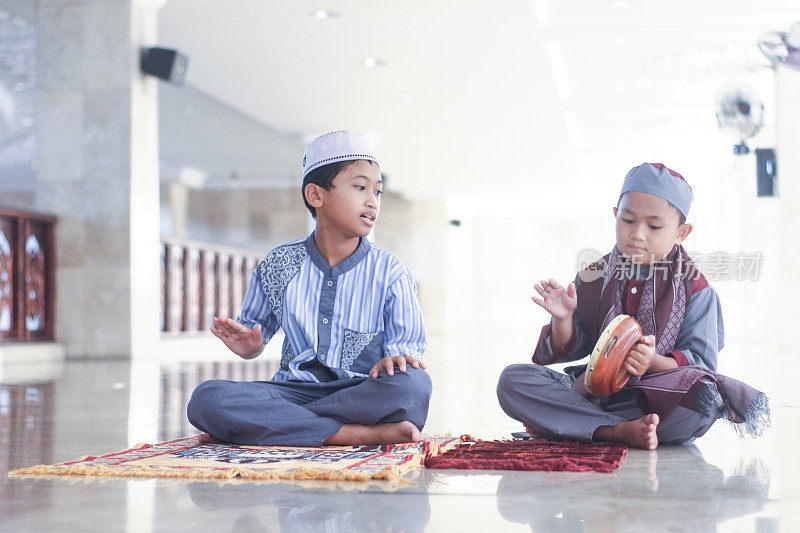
{"type": "Point", "coordinates": [658, 180]}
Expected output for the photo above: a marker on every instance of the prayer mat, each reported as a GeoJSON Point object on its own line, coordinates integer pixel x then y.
{"type": "Point", "coordinates": [194, 457]}
{"type": "Point", "coordinates": [530, 455]}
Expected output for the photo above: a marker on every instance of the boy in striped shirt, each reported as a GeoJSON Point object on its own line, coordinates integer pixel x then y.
{"type": "Point", "coordinates": [351, 370]}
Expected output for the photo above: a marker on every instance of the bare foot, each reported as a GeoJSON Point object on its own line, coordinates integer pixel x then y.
{"type": "Point", "coordinates": [639, 433]}
{"type": "Point", "coordinates": [354, 434]}
{"type": "Point", "coordinates": [535, 435]}
{"type": "Point", "coordinates": [206, 438]}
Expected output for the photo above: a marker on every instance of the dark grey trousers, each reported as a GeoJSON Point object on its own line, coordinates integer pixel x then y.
{"type": "Point", "coordinates": [306, 414]}
{"type": "Point", "coordinates": [542, 399]}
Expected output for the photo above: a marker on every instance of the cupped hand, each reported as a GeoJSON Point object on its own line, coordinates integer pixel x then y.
{"type": "Point", "coordinates": [641, 356]}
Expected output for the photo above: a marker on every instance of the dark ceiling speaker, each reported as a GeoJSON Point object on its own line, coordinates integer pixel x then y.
{"type": "Point", "coordinates": [163, 63]}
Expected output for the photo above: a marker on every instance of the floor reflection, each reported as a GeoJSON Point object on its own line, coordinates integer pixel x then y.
{"type": "Point", "coordinates": [673, 489]}
{"type": "Point", "coordinates": [26, 436]}
{"type": "Point", "coordinates": [25, 423]}
{"type": "Point", "coordinates": [331, 508]}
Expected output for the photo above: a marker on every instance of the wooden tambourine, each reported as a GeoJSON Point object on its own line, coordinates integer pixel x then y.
{"type": "Point", "coordinates": [605, 373]}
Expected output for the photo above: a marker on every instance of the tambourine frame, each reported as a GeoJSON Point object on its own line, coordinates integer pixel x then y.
{"type": "Point", "coordinates": [605, 373]}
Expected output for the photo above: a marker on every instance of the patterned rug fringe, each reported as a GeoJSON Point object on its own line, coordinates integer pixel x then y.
{"type": "Point", "coordinates": [84, 466]}
{"type": "Point", "coordinates": [390, 474]}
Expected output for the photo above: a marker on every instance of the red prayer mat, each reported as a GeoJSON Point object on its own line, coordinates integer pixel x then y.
{"type": "Point", "coordinates": [194, 457]}
{"type": "Point", "coordinates": [530, 455]}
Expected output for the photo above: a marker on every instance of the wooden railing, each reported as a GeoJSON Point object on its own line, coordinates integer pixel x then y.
{"type": "Point", "coordinates": [200, 281]}
{"type": "Point", "coordinates": [27, 276]}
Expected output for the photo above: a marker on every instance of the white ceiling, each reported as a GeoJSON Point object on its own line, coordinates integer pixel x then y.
{"type": "Point", "coordinates": [512, 96]}
{"type": "Point", "coordinates": [205, 144]}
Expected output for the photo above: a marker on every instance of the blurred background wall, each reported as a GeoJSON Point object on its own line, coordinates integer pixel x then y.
{"type": "Point", "coordinates": [503, 130]}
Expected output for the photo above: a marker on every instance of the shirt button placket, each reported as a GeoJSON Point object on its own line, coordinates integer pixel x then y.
{"type": "Point", "coordinates": [327, 311]}
{"type": "Point", "coordinates": [326, 317]}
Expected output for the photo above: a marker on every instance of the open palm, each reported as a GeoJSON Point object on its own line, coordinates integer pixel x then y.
{"type": "Point", "coordinates": [555, 299]}
{"type": "Point", "coordinates": [241, 340]}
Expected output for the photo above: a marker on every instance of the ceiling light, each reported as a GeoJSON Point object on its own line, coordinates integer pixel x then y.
{"type": "Point", "coordinates": [621, 41]}
{"type": "Point", "coordinates": [622, 4]}
{"type": "Point", "coordinates": [323, 14]}
{"type": "Point", "coordinates": [153, 4]}
{"type": "Point", "coordinates": [372, 62]}
{"type": "Point", "coordinates": [542, 12]}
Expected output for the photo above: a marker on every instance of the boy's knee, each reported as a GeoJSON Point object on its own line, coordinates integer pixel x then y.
{"type": "Point", "coordinates": [683, 426]}
{"type": "Point", "coordinates": [419, 392]}
{"type": "Point", "coordinates": [414, 382]}
{"type": "Point", "coordinates": [674, 437]}
{"type": "Point", "coordinates": [684, 435]}
{"type": "Point", "coordinates": [205, 396]}
{"type": "Point", "coordinates": [511, 378]}
{"type": "Point", "coordinates": [409, 393]}
{"type": "Point", "coordinates": [512, 372]}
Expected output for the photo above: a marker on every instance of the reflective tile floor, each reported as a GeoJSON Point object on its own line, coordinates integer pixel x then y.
{"type": "Point", "coordinates": [58, 413]}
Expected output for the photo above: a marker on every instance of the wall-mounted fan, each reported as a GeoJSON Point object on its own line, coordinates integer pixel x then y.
{"type": "Point", "coordinates": [740, 115]}
{"type": "Point", "coordinates": [782, 48]}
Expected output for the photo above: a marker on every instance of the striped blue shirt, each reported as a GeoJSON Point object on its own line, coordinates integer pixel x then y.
{"type": "Point", "coordinates": [338, 322]}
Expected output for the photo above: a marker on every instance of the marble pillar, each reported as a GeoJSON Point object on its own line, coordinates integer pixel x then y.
{"type": "Point", "coordinates": [98, 172]}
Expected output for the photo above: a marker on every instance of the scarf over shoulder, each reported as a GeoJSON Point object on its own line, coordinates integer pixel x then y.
{"type": "Point", "coordinates": [662, 308]}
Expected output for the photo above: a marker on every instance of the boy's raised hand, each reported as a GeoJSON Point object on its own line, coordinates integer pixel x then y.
{"type": "Point", "coordinates": [555, 299]}
{"type": "Point", "coordinates": [243, 341]}
{"type": "Point", "coordinates": [388, 363]}
{"type": "Point", "coordinates": [641, 356]}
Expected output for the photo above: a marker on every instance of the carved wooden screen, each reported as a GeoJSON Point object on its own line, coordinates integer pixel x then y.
{"type": "Point", "coordinates": [27, 280]}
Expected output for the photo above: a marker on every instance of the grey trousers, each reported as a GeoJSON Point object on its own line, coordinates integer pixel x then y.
{"type": "Point", "coordinates": [306, 414]}
{"type": "Point", "coordinates": [542, 399]}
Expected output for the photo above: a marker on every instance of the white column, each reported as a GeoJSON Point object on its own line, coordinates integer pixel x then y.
{"type": "Point", "coordinates": [179, 208]}
{"type": "Point", "coordinates": [98, 173]}
{"type": "Point", "coordinates": [788, 154]}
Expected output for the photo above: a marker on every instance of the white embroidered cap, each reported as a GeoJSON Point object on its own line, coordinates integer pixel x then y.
{"type": "Point", "coordinates": [333, 147]}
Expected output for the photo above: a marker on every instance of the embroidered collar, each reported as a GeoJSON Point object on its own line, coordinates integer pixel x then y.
{"type": "Point", "coordinates": [322, 264]}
